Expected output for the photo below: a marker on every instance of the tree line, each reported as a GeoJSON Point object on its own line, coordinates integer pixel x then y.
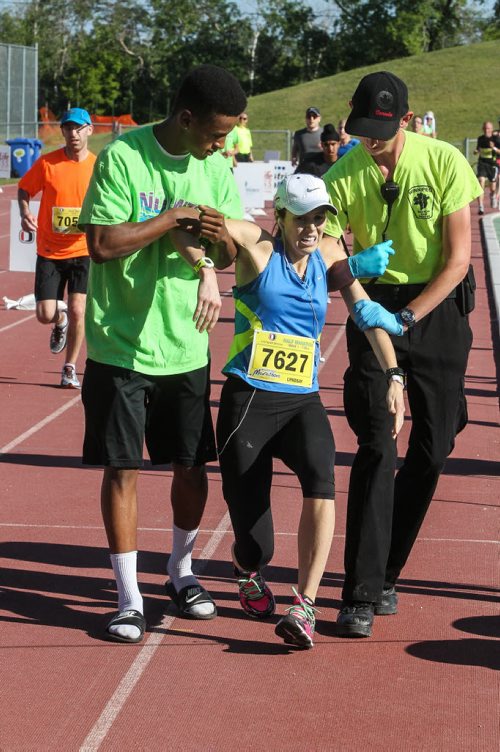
{"type": "Point", "coordinates": [128, 56]}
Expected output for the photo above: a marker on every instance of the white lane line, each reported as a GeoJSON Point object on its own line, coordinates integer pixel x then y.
{"type": "Point", "coordinates": [16, 323]}
{"type": "Point", "coordinates": [331, 347]}
{"type": "Point", "coordinates": [277, 533]}
{"type": "Point", "coordinates": [6, 235]}
{"type": "Point", "coordinates": [39, 425]}
{"type": "Point", "coordinates": [100, 729]}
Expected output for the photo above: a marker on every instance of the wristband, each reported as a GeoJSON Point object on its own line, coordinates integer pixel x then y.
{"type": "Point", "coordinates": [396, 374]}
{"type": "Point", "coordinates": [203, 262]}
{"type": "Point", "coordinates": [340, 275]}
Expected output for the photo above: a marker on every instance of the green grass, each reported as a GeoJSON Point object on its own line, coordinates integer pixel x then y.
{"type": "Point", "coordinates": [459, 84]}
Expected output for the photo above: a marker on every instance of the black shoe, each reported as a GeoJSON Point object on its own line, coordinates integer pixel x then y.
{"type": "Point", "coordinates": [387, 603]}
{"type": "Point", "coordinates": [355, 619]}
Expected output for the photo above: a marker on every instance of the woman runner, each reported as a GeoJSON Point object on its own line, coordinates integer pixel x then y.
{"type": "Point", "coordinates": [270, 404]}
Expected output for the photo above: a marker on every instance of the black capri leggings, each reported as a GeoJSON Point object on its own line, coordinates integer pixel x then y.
{"type": "Point", "coordinates": [253, 426]}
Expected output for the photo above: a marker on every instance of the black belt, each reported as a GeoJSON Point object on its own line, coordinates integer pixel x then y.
{"type": "Point", "coordinates": [398, 295]}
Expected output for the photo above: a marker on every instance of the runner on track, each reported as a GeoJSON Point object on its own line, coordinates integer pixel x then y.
{"type": "Point", "coordinates": [270, 404]}
{"type": "Point", "coordinates": [62, 255]}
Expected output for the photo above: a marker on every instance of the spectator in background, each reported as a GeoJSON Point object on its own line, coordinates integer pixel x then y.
{"type": "Point", "coordinates": [417, 124]}
{"type": "Point", "coordinates": [306, 141]}
{"type": "Point", "coordinates": [320, 163]}
{"type": "Point", "coordinates": [62, 260]}
{"type": "Point", "coordinates": [244, 140]}
{"type": "Point", "coordinates": [346, 142]}
{"type": "Point", "coordinates": [230, 148]}
{"type": "Point", "coordinates": [429, 127]}
{"type": "Point", "coordinates": [488, 148]}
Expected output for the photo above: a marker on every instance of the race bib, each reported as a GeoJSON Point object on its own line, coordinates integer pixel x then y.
{"type": "Point", "coordinates": [65, 220]}
{"type": "Point", "coordinates": [282, 358]}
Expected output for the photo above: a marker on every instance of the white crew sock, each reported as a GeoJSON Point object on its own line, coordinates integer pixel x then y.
{"type": "Point", "coordinates": [179, 566]}
{"type": "Point", "coordinates": [64, 323]}
{"type": "Point", "coordinates": [129, 597]}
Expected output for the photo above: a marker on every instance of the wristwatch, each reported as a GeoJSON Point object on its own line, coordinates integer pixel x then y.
{"type": "Point", "coordinates": [407, 317]}
{"type": "Point", "coordinates": [205, 261]}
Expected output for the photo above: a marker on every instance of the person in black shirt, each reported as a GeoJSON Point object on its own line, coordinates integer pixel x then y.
{"type": "Point", "coordinates": [306, 141]}
{"type": "Point", "coordinates": [318, 164]}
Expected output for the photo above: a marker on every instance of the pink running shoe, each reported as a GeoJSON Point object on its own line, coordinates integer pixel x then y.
{"type": "Point", "coordinates": [255, 597]}
{"type": "Point", "coordinates": [297, 627]}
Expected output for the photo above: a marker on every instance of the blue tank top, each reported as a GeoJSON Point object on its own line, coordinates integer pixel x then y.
{"type": "Point", "coordinates": [278, 300]}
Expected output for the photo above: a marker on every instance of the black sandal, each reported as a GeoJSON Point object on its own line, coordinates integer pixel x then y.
{"type": "Point", "coordinates": [130, 619]}
{"type": "Point", "coordinates": [188, 597]}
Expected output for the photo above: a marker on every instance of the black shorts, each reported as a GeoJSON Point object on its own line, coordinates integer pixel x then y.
{"type": "Point", "coordinates": [487, 170]}
{"type": "Point", "coordinates": [123, 407]}
{"type": "Point", "coordinates": [52, 276]}
{"type": "Point", "coordinates": [255, 425]}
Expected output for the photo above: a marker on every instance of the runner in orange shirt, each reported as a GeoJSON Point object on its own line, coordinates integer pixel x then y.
{"type": "Point", "coordinates": [62, 255]}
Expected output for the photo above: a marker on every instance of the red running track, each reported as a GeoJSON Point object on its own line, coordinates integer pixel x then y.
{"type": "Point", "coordinates": [426, 680]}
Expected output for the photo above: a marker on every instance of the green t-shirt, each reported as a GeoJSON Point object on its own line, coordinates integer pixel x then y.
{"type": "Point", "coordinates": [140, 308]}
{"type": "Point", "coordinates": [434, 180]}
{"type": "Point", "coordinates": [243, 139]}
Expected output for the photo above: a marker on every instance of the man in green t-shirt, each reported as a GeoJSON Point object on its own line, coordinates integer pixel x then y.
{"type": "Point", "coordinates": [244, 140]}
{"type": "Point", "coordinates": [147, 321]}
{"type": "Point", "coordinates": [415, 191]}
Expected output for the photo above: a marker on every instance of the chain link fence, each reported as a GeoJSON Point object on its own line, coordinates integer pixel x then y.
{"type": "Point", "coordinates": [18, 91]}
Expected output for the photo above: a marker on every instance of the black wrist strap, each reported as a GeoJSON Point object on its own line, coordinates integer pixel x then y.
{"type": "Point", "coordinates": [395, 372]}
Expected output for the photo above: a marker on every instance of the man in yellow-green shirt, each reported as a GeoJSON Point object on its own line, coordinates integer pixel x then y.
{"type": "Point", "coordinates": [244, 140]}
{"type": "Point", "coordinates": [399, 186]}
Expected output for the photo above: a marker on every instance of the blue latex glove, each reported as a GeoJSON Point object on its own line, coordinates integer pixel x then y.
{"type": "Point", "coordinates": [372, 262]}
{"type": "Point", "coordinates": [368, 314]}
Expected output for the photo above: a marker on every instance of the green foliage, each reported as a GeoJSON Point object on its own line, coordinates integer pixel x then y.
{"type": "Point", "coordinates": [116, 56]}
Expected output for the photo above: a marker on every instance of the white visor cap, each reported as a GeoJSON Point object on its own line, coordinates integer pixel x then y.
{"type": "Point", "coordinates": [302, 193]}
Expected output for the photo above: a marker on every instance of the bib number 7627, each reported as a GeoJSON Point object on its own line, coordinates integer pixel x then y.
{"type": "Point", "coordinates": [282, 358]}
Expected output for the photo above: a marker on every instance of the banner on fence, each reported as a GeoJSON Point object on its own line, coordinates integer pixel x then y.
{"type": "Point", "coordinates": [257, 181]}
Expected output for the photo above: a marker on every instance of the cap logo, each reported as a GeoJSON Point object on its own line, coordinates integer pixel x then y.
{"type": "Point", "coordinates": [384, 100]}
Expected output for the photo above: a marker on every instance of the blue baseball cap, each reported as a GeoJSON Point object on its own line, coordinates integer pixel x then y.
{"type": "Point", "coordinates": [76, 115]}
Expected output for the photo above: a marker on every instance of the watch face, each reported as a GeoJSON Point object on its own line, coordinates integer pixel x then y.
{"type": "Point", "coordinates": [407, 315]}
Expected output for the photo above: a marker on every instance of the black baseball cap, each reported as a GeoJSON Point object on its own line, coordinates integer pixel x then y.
{"type": "Point", "coordinates": [313, 111]}
{"type": "Point", "coordinates": [378, 104]}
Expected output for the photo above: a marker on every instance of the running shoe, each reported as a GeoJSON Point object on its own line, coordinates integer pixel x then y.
{"type": "Point", "coordinates": [297, 627]}
{"type": "Point", "coordinates": [255, 597]}
{"type": "Point", "coordinates": [69, 379]}
{"type": "Point", "coordinates": [481, 211]}
{"type": "Point", "coordinates": [58, 338]}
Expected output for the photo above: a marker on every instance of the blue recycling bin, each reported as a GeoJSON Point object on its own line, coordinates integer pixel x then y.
{"type": "Point", "coordinates": [23, 153]}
